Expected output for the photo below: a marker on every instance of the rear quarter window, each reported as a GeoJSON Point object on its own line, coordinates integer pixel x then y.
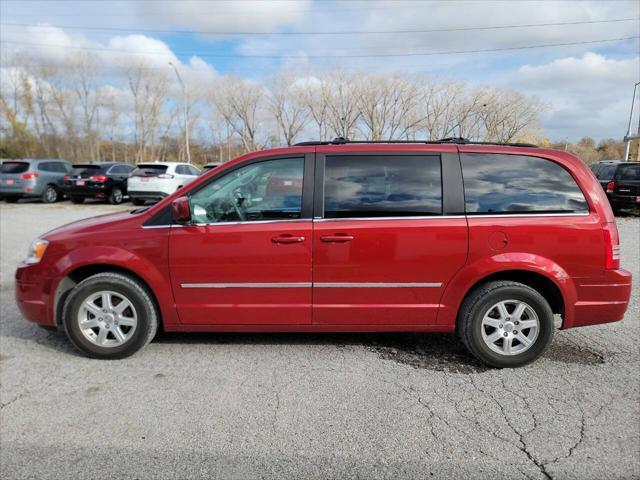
{"type": "Point", "coordinates": [14, 167]}
{"type": "Point", "coordinates": [512, 184]}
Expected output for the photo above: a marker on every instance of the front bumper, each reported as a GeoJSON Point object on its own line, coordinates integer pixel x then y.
{"type": "Point", "coordinates": [601, 301]}
{"type": "Point", "coordinates": [33, 293]}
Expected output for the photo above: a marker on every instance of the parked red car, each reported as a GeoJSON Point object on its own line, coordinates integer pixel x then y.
{"type": "Point", "coordinates": [489, 241]}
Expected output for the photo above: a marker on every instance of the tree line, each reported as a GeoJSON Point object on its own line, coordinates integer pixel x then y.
{"type": "Point", "coordinates": [74, 111]}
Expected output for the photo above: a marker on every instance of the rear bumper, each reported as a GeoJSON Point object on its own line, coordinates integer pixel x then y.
{"type": "Point", "coordinates": [601, 301]}
{"type": "Point", "coordinates": [147, 195]}
{"type": "Point", "coordinates": [23, 191]}
{"type": "Point", "coordinates": [625, 200]}
{"type": "Point", "coordinates": [86, 191]}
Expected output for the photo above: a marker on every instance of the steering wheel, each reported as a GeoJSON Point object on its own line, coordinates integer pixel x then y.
{"type": "Point", "coordinates": [235, 197]}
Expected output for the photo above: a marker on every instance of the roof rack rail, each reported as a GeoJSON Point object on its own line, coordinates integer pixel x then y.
{"type": "Point", "coordinates": [448, 140]}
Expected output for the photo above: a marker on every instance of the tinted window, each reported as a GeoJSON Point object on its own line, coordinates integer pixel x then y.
{"type": "Point", "coordinates": [193, 170]}
{"type": "Point", "coordinates": [149, 169]}
{"type": "Point", "coordinates": [60, 167]}
{"type": "Point", "coordinates": [14, 167]}
{"type": "Point", "coordinates": [628, 172]}
{"type": "Point", "coordinates": [47, 167]}
{"type": "Point", "coordinates": [382, 186]}
{"type": "Point", "coordinates": [270, 190]}
{"type": "Point", "coordinates": [120, 169]}
{"type": "Point", "coordinates": [518, 184]}
{"type": "Point", "coordinates": [182, 170]}
{"type": "Point", "coordinates": [606, 171]}
{"type": "Point", "coordinates": [85, 170]}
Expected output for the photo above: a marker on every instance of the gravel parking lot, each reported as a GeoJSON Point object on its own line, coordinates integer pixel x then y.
{"type": "Point", "coordinates": [311, 406]}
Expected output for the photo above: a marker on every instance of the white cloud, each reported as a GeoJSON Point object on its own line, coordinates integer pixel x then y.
{"type": "Point", "coordinates": [588, 95]}
{"type": "Point", "coordinates": [228, 16]}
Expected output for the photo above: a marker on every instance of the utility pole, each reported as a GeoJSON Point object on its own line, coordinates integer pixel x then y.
{"type": "Point", "coordinates": [186, 113]}
{"type": "Point", "coordinates": [628, 137]}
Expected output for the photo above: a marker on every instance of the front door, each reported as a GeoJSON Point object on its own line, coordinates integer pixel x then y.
{"type": "Point", "coordinates": [383, 250]}
{"type": "Point", "coordinates": [246, 257]}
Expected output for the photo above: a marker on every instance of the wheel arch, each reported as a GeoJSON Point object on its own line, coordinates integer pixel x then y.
{"type": "Point", "coordinates": [541, 283]}
{"type": "Point", "coordinates": [537, 272]}
{"type": "Point", "coordinates": [77, 275]}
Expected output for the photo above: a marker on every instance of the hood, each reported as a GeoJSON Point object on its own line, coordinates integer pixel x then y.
{"type": "Point", "coordinates": [109, 221]}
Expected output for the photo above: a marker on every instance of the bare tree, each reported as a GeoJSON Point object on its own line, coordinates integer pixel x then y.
{"type": "Point", "coordinates": [241, 104]}
{"type": "Point", "coordinates": [288, 106]}
{"type": "Point", "coordinates": [149, 91]}
{"type": "Point", "coordinates": [85, 86]}
{"type": "Point", "coordinates": [342, 111]}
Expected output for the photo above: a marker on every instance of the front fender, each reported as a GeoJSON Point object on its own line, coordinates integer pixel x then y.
{"type": "Point", "coordinates": [155, 274]}
{"type": "Point", "coordinates": [474, 272]}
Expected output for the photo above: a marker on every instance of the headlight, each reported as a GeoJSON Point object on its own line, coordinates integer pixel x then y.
{"type": "Point", "coordinates": [36, 251]}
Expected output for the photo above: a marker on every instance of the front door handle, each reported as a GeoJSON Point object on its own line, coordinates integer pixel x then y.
{"type": "Point", "coordinates": [337, 238]}
{"type": "Point", "coordinates": [287, 239]}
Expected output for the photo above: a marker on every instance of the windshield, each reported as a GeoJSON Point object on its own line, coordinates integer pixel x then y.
{"type": "Point", "coordinates": [14, 167]}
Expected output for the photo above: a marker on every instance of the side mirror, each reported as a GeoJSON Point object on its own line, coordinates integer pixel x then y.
{"type": "Point", "coordinates": [181, 211]}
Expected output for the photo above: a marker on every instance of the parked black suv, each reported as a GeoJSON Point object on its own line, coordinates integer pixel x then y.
{"type": "Point", "coordinates": [621, 181]}
{"type": "Point", "coordinates": [104, 181]}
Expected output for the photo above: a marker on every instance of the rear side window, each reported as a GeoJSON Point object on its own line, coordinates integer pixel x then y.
{"type": "Point", "coordinates": [47, 167]}
{"type": "Point", "coordinates": [503, 184]}
{"type": "Point", "coordinates": [120, 169]}
{"type": "Point", "coordinates": [14, 167]}
{"type": "Point", "coordinates": [149, 169]}
{"type": "Point", "coordinates": [628, 172]}
{"type": "Point", "coordinates": [382, 186]}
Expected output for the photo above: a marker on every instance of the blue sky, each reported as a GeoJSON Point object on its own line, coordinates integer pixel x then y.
{"type": "Point", "coordinates": [588, 86]}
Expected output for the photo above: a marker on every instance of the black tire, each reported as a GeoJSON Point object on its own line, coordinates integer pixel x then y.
{"type": "Point", "coordinates": [50, 194]}
{"type": "Point", "coordinates": [11, 199]}
{"type": "Point", "coordinates": [139, 296]}
{"type": "Point", "coordinates": [116, 196]}
{"type": "Point", "coordinates": [75, 199]}
{"type": "Point", "coordinates": [481, 300]}
{"type": "Point", "coordinates": [138, 201]}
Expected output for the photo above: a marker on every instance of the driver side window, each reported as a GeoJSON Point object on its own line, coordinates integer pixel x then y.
{"type": "Point", "coordinates": [270, 190]}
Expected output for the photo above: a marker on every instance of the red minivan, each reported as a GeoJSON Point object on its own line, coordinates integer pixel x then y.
{"type": "Point", "coordinates": [489, 241]}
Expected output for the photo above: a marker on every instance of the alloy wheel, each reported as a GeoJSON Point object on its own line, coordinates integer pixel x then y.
{"type": "Point", "coordinates": [107, 319]}
{"type": "Point", "coordinates": [510, 327]}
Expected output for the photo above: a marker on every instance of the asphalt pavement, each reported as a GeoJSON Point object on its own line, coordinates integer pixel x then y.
{"type": "Point", "coordinates": [311, 406]}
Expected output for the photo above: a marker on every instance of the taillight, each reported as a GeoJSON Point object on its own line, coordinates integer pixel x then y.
{"type": "Point", "coordinates": [98, 178]}
{"type": "Point", "coordinates": [66, 177]}
{"type": "Point", "coordinates": [611, 186]}
{"type": "Point", "coordinates": [165, 175]}
{"type": "Point", "coordinates": [29, 176]}
{"type": "Point", "coordinates": [611, 247]}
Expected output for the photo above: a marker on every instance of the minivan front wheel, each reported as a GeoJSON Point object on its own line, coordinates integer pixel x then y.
{"type": "Point", "coordinates": [110, 316]}
{"type": "Point", "coordinates": [506, 324]}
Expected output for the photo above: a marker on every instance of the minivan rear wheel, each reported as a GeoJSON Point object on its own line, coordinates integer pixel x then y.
{"type": "Point", "coordinates": [506, 324]}
{"type": "Point", "coordinates": [110, 316]}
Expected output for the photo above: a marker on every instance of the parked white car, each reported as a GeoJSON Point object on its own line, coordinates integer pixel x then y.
{"type": "Point", "coordinates": [154, 181]}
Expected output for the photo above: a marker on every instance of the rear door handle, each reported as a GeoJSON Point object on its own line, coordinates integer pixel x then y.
{"type": "Point", "coordinates": [337, 238]}
{"type": "Point", "coordinates": [287, 239]}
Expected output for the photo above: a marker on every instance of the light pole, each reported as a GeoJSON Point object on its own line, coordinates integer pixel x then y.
{"type": "Point", "coordinates": [628, 137]}
{"type": "Point", "coordinates": [186, 113]}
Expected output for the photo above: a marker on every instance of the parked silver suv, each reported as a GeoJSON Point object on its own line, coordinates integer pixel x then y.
{"type": "Point", "coordinates": [33, 178]}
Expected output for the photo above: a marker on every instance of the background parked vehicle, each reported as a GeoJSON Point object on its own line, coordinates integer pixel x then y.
{"type": "Point", "coordinates": [154, 181]}
{"type": "Point", "coordinates": [621, 181]}
{"type": "Point", "coordinates": [104, 181]}
{"type": "Point", "coordinates": [33, 178]}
